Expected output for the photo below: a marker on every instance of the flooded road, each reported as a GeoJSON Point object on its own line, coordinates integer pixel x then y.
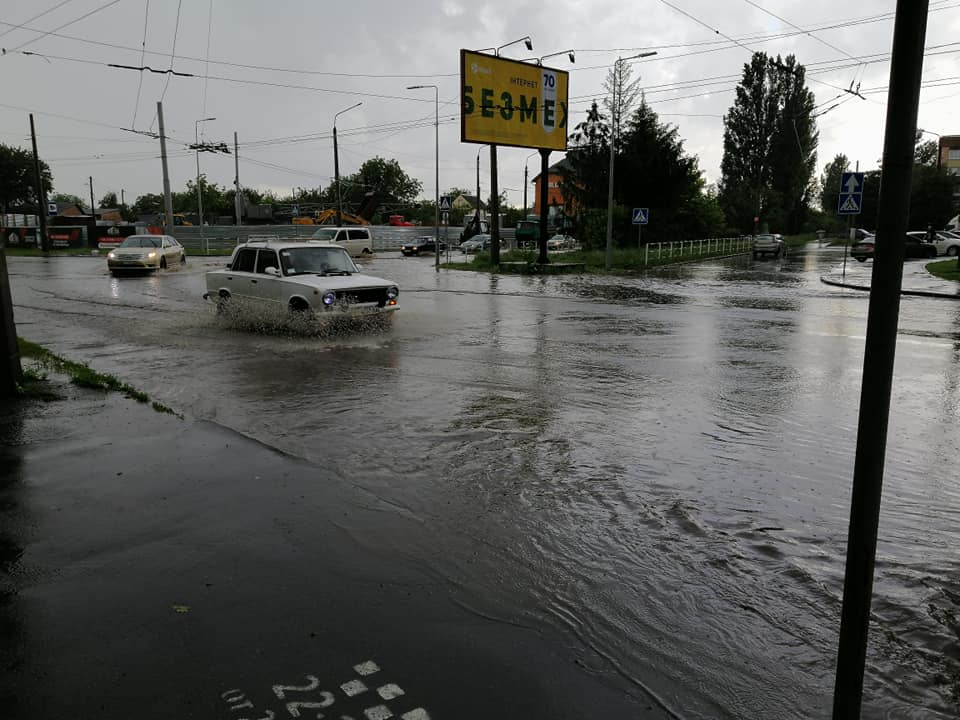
{"type": "Point", "coordinates": [659, 467]}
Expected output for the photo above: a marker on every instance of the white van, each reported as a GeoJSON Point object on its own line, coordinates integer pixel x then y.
{"type": "Point", "coordinates": [355, 240]}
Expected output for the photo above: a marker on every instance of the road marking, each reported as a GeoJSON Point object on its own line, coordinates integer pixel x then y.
{"type": "Point", "coordinates": [378, 712]}
{"type": "Point", "coordinates": [367, 668]}
{"type": "Point", "coordinates": [354, 687]}
{"type": "Point", "coordinates": [390, 691]}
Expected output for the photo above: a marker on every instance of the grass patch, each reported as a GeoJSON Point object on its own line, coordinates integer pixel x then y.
{"type": "Point", "coordinates": [945, 269]}
{"type": "Point", "coordinates": [78, 373]}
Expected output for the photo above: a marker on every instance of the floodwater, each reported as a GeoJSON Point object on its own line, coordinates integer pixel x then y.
{"type": "Point", "coordinates": [659, 467]}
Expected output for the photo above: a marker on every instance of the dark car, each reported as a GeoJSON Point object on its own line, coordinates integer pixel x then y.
{"type": "Point", "coordinates": [913, 248]}
{"type": "Point", "coordinates": [424, 244]}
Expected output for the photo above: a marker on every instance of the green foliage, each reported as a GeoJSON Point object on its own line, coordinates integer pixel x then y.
{"type": "Point", "coordinates": [66, 198]}
{"type": "Point", "coordinates": [109, 200]}
{"type": "Point", "coordinates": [945, 269]}
{"type": "Point", "coordinates": [18, 178]}
{"type": "Point", "coordinates": [384, 177]}
{"type": "Point", "coordinates": [769, 147]}
{"type": "Point", "coordinates": [830, 182]}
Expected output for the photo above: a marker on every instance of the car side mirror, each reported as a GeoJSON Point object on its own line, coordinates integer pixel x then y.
{"type": "Point", "coordinates": [272, 271]}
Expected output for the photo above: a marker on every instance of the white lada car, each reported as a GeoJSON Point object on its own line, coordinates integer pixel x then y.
{"type": "Point", "coordinates": [300, 277]}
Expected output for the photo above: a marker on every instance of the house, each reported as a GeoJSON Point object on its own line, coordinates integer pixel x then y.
{"type": "Point", "coordinates": [558, 203]}
{"type": "Point", "coordinates": [465, 203]}
{"type": "Point", "coordinates": [948, 158]}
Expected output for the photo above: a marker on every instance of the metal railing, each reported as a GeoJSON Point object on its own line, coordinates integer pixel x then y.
{"type": "Point", "coordinates": [693, 249]}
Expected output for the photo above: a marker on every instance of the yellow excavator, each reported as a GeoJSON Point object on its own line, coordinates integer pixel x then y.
{"type": "Point", "coordinates": [329, 217]}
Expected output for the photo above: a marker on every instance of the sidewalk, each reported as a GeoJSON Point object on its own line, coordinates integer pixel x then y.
{"type": "Point", "coordinates": [916, 280]}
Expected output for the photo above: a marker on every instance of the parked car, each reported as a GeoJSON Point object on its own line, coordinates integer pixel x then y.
{"type": "Point", "coordinates": [913, 248]}
{"type": "Point", "coordinates": [424, 244]}
{"type": "Point", "coordinates": [768, 244]}
{"type": "Point", "coordinates": [477, 243]}
{"type": "Point", "coordinates": [314, 277]}
{"type": "Point", "coordinates": [560, 242]}
{"type": "Point", "coordinates": [945, 242]}
{"type": "Point", "coordinates": [146, 252]}
{"type": "Point", "coordinates": [356, 240]}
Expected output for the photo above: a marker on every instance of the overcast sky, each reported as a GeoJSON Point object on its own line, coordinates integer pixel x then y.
{"type": "Point", "coordinates": [276, 73]}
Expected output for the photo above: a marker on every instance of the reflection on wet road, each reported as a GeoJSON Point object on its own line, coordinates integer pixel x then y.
{"type": "Point", "coordinates": [660, 465]}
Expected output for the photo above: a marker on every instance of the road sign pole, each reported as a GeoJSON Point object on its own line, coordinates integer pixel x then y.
{"type": "Point", "coordinates": [639, 236]}
{"type": "Point", "coordinates": [906, 70]}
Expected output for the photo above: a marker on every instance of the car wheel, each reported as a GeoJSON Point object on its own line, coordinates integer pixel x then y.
{"type": "Point", "coordinates": [298, 306]}
{"type": "Point", "coordinates": [183, 259]}
{"type": "Point", "coordinates": [861, 259]}
{"type": "Point", "coordinates": [756, 256]}
{"type": "Point", "coordinates": [952, 251]}
{"type": "Point", "coordinates": [223, 303]}
{"type": "Point", "coordinates": [163, 263]}
{"type": "Point", "coordinates": [366, 251]}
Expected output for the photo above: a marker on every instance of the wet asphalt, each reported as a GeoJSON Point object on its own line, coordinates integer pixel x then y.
{"type": "Point", "coordinates": [529, 497]}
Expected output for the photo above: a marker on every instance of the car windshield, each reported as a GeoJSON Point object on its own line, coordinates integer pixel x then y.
{"type": "Point", "coordinates": [140, 241]}
{"type": "Point", "coordinates": [316, 260]}
{"type": "Point", "coordinates": [324, 234]}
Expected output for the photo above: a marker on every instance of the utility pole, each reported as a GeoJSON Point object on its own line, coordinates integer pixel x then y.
{"type": "Point", "coordinates": [906, 69]}
{"type": "Point", "coordinates": [237, 206]}
{"type": "Point", "coordinates": [336, 175]}
{"type": "Point", "coordinates": [167, 200]}
{"type": "Point", "coordinates": [477, 214]}
{"type": "Point", "coordinates": [42, 241]}
{"type": "Point", "coordinates": [93, 216]}
{"type": "Point", "coordinates": [526, 174]}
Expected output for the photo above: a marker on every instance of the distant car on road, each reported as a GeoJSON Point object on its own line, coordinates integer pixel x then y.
{"type": "Point", "coordinates": [424, 244]}
{"type": "Point", "coordinates": [299, 277]}
{"type": "Point", "coordinates": [355, 240]}
{"type": "Point", "coordinates": [146, 252]}
{"type": "Point", "coordinates": [913, 248]}
{"type": "Point", "coordinates": [768, 244]}
{"type": "Point", "coordinates": [478, 243]}
{"type": "Point", "coordinates": [560, 242]}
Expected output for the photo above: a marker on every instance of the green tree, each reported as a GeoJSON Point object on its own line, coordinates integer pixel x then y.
{"type": "Point", "coordinates": [769, 146]}
{"type": "Point", "coordinates": [830, 182]}
{"type": "Point", "coordinates": [148, 204]}
{"type": "Point", "coordinates": [66, 198]}
{"type": "Point", "coordinates": [589, 161]}
{"type": "Point", "coordinates": [110, 200]}
{"type": "Point", "coordinates": [18, 179]}
{"type": "Point", "coordinates": [384, 177]}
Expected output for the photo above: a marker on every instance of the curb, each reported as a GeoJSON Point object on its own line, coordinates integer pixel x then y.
{"type": "Point", "coordinates": [914, 293]}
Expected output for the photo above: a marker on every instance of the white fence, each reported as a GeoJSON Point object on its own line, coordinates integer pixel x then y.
{"type": "Point", "coordinates": [697, 248]}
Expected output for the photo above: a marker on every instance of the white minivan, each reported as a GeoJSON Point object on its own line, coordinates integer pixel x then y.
{"type": "Point", "coordinates": [355, 240]}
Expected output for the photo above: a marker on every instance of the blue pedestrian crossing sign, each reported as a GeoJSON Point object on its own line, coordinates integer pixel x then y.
{"type": "Point", "coordinates": [445, 203]}
{"type": "Point", "coordinates": [851, 193]}
{"type": "Point", "coordinates": [641, 216]}
{"type": "Point", "coordinates": [850, 204]}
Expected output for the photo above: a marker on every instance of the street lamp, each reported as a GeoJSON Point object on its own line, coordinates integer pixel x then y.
{"type": "Point", "coordinates": [526, 174]}
{"type": "Point", "coordinates": [196, 138]}
{"type": "Point", "coordinates": [614, 121]}
{"type": "Point", "coordinates": [569, 53]}
{"type": "Point", "coordinates": [336, 163]}
{"type": "Point", "coordinates": [436, 132]}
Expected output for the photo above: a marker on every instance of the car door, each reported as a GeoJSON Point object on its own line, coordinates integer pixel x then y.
{"type": "Point", "coordinates": [264, 287]}
{"type": "Point", "coordinates": [242, 272]}
{"type": "Point", "coordinates": [359, 240]}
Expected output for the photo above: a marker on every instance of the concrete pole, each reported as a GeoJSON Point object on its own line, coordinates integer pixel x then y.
{"type": "Point", "coordinates": [167, 199]}
{"type": "Point", "coordinates": [93, 216]}
{"type": "Point", "coordinates": [11, 373]}
{"type": "Point", "coordinates": [42, 241]}
{"type": "Point", "coordinates": [906, 69]}
{"type": "Point", "coordinates": [236, 181]}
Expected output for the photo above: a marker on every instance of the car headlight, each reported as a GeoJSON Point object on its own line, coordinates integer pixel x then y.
{"type": "Point", "coordinates": [329, 297]}
{"type": "Point", "coordinates": [111, 255]}
{"type": "Point", "coordinates": [151, 254]}
{"type": "Point", "coordinates": [392, 293]}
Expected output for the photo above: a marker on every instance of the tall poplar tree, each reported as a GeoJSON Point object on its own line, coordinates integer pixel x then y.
{"type": "Point", "coordinates": [769, 147]}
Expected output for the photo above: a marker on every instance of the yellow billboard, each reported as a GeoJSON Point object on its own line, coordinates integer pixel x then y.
{"type": "Point", "coordinates": [508, 102]}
